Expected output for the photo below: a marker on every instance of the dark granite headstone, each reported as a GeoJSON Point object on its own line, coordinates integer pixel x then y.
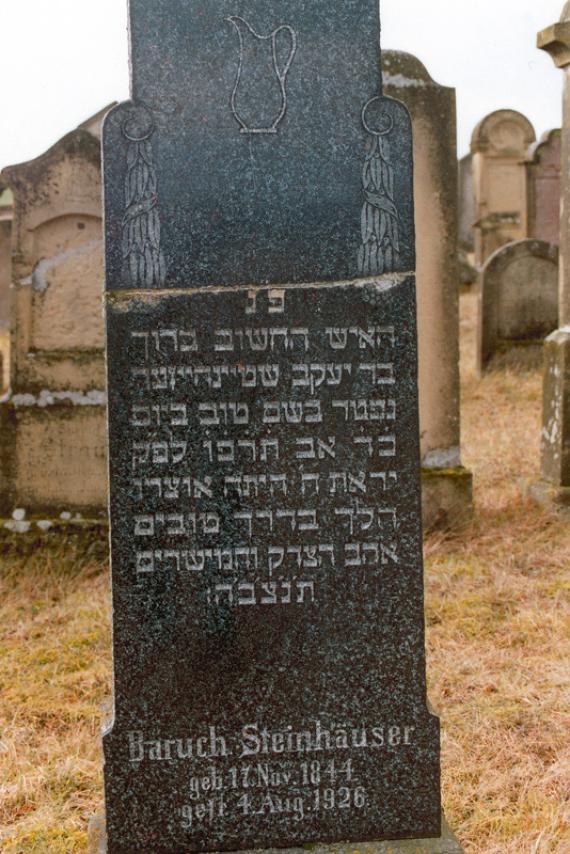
{"type": "Point", "coordinates": [264, 456]}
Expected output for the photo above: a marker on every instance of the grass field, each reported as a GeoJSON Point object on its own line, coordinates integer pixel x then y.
{"type": "Point", "coordinates": [498, 611]}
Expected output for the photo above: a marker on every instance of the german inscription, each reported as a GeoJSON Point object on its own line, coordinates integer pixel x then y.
{"type": "Point", "coordinates": [266, 530]}
{"type": "Point", "coordinates": [266, 550]}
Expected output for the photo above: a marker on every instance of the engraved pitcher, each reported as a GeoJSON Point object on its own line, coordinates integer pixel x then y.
{"type": "Point", "coordinates": [259, 96]}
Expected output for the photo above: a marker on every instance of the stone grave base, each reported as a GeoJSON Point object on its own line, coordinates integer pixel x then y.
{"type": "Point", "coordinates": [445, 844]}
{"type": "Point", "coordinates": [79, 537]}
{"type": "Point", "coordinates": [53, 453]}
{"type": "Point", "coordinates": [549, 495]}
{"type": "Point", "coordinates": [518, 354]}
{"type": "Point", "coordinates": [447, 497]}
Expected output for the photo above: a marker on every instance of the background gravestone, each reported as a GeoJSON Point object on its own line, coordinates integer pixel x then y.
{"type": "Point", "coordinates": [499, 147]}
{"type": "Point", "coordinates": [5, 279]}
{"type": "Point", "coordinates": [446, 484]}
{"type": "Point", "coordinates": [269, 672]}
{"type": "Point", "coordinates": [467, 215]}
{"type": "Point", "coordinates": [555, 450]}
{"type": "Point", "coordinates": [5, 255]}
{"type": "Point", "coordinates": [543, 174]}
{"type": "Point", "coordinates": [53, 421]}
{"type": "Point", "coordinates": [518, 300]}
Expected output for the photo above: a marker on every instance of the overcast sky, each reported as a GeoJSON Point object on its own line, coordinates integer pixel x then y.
{"type": "Point", "coordinates": [63, 60]}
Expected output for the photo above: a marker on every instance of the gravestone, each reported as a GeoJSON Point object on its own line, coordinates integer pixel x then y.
{"type": "Point", "coordinates": [499, 147]}
{"type": "Point", "coordinates": [518, 301]}
{"type": "Point", "coordinates": [543, 177]}
{"type": "Point", "coordinates": [446, 484]}
{"type": "Point", "coordinates": [467, 214]}
{"type": "Point", "coordinates": [53, 420]}
{"type": "Point", "coordinates": [554, 487]}
{"type": "Point", "coordinates": [5, 255]}
{"type": "Point", "coordinates": [269, 671]}
{"type": "Point", "coordinates": [5, 280]}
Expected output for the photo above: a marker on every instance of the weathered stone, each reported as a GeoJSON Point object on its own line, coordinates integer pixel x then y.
{"type": "Point", "coordinates": [447, 497]}
{"type": "Point", "coordinates": [269, 670]}
{"type": "Point", "coordinates": [543, 177]}
{"type": "Point", "coordinates": [53, 421]}
{"type": "Point", "coordinates": [433, 111]}
{"type": "Point", "coordinates": [556, 409]}
{"type": "Point", "coordinates": [467, 273]}
{"type": "Point", "coordinates": [5, 259]}
{"type": "Point", "coordinates": [85, 321]}
{"type": "Point", "coordinates": [518, 299]}
{"type": "Point", "coordinates": [555, 40]}
{"type": "Point", "coordinates": [555, 467]}
{"type": "Point", "coordinates": [467, 209]}
{"type": "Point", "coordinates": [499, 147]}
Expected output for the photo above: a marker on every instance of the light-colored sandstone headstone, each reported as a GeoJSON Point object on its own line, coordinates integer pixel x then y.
{"type": "Point", "coordinates": [5, 279]}
{"type": "Point", "coordinates": [5, 255]}
{"type": "Point", "coordinates": [518, 299]}
{"type": "Point", "coordinates": [543, 175]}
{"type": "Point", "coordinates": [555, 467]}
{"type": "Point", "coordinates": [499, 147]}
{"type": "Point", "coordinates": [53, 422]}
{"type": "Point", "coordinates": [446, 485]}
{"type": "Point", "coordinates": [467, 211]}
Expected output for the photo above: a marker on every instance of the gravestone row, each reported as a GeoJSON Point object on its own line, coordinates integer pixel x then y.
{"type": "Point", "coordinates": [509, 186]}
{"type": "Point", "coordinates": [56, 367]}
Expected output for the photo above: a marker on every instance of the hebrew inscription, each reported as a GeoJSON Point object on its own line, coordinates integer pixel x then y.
{"type": "Point", "coordinates": [266, 550]}
{"type": "Point", "coordinates": [286, 499]}
{"type": "Point", "coordinates": [266, 535]}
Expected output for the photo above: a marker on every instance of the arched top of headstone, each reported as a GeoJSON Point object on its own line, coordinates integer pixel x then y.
{"type": "Point", "coordinates": [518, 297]}
{"type": "Point", "coordinates": [511, 252]}
{"type": "Point", "coordinates": [404, 69]}
{"type": "Point", "coordinates": [64, 180]}
{"type": "Point", "coordinates": [550, 139]}
{"type": "Point", "coordinates": [504, 132]}
{"type": "Point", "coordinates": [79, 143]}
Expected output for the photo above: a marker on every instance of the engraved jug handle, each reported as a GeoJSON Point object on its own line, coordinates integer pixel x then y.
{"type": "Point", "coordinates": [282, 75]}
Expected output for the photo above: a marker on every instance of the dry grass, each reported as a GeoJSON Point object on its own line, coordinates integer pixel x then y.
{"type": "Point", "coordinates": [54, 675]}
{"type": "Point", "coordinates": [498, 609]}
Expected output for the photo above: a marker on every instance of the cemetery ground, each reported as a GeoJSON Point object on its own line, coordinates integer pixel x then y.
{"type": "Point", "coordinates": [498, 616]}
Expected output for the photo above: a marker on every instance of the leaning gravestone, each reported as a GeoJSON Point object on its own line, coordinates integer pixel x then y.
{"type": "Point", "coordinates": [269, 671]}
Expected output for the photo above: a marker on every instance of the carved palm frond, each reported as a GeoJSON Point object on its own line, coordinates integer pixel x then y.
{"type": "Point", "coordinates": [144, 264]}
{"type": "Point", "coordinates": [380, 248]}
